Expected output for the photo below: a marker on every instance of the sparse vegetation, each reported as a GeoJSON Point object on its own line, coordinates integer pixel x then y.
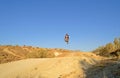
{"type": "Point", "coordinates": [109, 48]}
{"type": "Point", "coordinates": [10, 53]}
{"type": "Point", "coordinates": [42, 53]}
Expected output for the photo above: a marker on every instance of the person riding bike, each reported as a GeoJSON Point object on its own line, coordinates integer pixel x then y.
{"type": "Point", "coordinates": [66, 38]}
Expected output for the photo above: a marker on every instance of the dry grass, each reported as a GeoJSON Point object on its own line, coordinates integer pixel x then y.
{"type": "Point", "coordinates": [10, 53]}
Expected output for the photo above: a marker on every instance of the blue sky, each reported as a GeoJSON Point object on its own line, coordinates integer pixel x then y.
{"type": "Point", "coordinates": [43, 23]}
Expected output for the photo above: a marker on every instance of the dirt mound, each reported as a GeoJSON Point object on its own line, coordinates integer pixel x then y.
{"type": "Point", "coordinates": [10, 53]}
{"type": "Point", "coordinates": [65, 64]}
{"type": "Point", "coordinates": [61, 67]}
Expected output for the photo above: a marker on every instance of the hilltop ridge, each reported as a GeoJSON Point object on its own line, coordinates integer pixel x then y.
{"type": "Point", "coordinates": [10, 53]}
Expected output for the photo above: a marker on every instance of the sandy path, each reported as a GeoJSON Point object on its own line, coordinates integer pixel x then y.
{"type": "Point", "coordinates": [62, 67]}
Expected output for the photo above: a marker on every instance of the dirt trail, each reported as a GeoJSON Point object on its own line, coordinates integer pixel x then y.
{"type": "Point", "coordinates": [71, 66]}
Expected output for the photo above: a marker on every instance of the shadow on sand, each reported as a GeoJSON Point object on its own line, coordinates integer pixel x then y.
{"type": "Point", "coordinates": [105, 69]}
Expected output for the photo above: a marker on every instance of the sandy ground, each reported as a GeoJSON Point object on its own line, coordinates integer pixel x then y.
{"type": "Point", "coordinates": [71, 66]}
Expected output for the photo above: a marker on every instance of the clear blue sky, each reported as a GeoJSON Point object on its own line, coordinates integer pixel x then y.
{"type": "Point", "coordinates": [43, 23]}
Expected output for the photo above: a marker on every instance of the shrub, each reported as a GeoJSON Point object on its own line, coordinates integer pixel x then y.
{"type": "Point", "coordinates": [40, 54]}
{"type": "Point", "coordinates": [108, 48]}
